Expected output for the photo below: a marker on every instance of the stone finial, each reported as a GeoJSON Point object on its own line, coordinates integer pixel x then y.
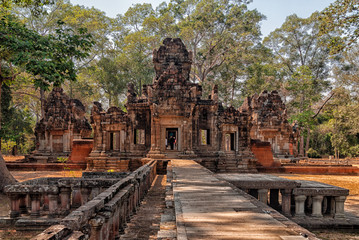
{"type": "Point", "coordinates": [172, 62]}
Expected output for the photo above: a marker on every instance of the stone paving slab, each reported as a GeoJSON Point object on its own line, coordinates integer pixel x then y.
{"type": "Point", "coordinates": [209, 208]}
{"type": "Point", "coordinates": [258, 181]}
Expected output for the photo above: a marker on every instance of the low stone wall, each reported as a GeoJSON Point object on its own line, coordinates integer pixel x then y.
{"type": "Point", "coordinates": [305, 202]}
{"type": "Point", "coordinates": [310, 169]}
{"type": "Point", "coordinates": [105, 215]}
{"type": "Point", "coordinates": [14, 166]}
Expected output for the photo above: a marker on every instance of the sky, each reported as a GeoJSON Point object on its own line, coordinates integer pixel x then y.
{"type": "Point", "coordinates": [275, 10]}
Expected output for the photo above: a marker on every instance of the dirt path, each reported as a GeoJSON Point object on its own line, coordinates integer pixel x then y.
{"type": "Point", "coordinates": [146, 223]}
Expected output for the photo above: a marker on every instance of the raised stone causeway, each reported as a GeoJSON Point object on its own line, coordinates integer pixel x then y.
{"type": "Point", "coordinates": [209, 208]}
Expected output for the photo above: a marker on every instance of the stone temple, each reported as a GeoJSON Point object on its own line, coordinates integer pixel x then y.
{"type": "Point", "coordinates": [170, 130]}
{"type": "Point", "coordinates": [64, 121]}
{"type": "Point", "coordinates": [171, 119]}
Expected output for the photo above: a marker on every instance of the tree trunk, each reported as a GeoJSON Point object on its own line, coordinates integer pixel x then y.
{"type": "Point", "coordinates": [301, 146]}
{"type": "Point", "coordinates": [307, 142]}
{"type": "Point", "coordinates": [0, 111]}
{"type": "Point", "coordinates": [5, 176]}
{"type": "Point", "coordinates": [42, 100]}
{"type": "Point", "coordinates": [233, 86]}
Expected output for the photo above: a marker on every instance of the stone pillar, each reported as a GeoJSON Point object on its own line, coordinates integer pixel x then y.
{"type": "Point", "coordinates": [317, 206]}
{"type": "Point", "coordinates": [76, 197]}
{"type": "Point", "coordinates": [14, 205]}
{"type": "Point", "coordinates": [66, 142]}
{"type": "Point", "coordinates": [96, 228]}
{"type": "Point", "coordinates": [339, 206]}
{"type": "Point", "coordinates": [104, 141]}
{"type": "Point", "coordinates": [44, 202]}
{"type": "Point", "coordinates": [286, 201]}
{"type": "Point", "coordinates": [299, 205]}
{"type": "Point", "coordinates": [332, 206]}
{"type": "Point", "coordinates": [53, 205]}
{"type": "Point", "coordinates": [35, 204]}
{"type": "Point", "coordinates": [116, 225]}
{"type": "Point", "coordinates": [47, 143]}
{"type": "Point", "coordinates": [107, 225]}
{"type": "Point", "coordinates": [51, 143]}
{"type": "Point", "coordinates": [122, 140]}
{"type": "Point", "coordinates": [22, 204]}
{"type": "Point", "coordinates": [325, 205]}
{"type": "Point", "coordinates": [28, 202]}
{"type": "Point", "coordinates": [263, 195]}
{"type": "Point", "coordinates": [273, 198]}
{"type": "Point", "coordinates": [65, 194]}
{"type": "Point", "coordinates": [122, 218]}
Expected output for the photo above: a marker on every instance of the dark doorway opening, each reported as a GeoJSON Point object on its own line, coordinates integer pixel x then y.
{"type": "Point", "coordinates": [171, 138]}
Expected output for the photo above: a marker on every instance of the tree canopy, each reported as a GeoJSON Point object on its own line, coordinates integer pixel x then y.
{"type": "Point", "coordinates": [312, 61]}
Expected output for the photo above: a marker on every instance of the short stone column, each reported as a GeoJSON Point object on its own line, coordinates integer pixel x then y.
{"type": "Point", "coordinates": [286, 201]}
{"type": "Point", "coordinates": [263, 195]}
{"type": "Point", "coordinates": [44, 201]}
{"type": "Point", "coordinates": [96, 228]}
{"type": "Point", "coordinates": [14, 205]}
{"type": "Point", "coordinates": [339, 207]}
{"type": "Point", "coordinates": [317, 206]}
{"type": "Point", "coordinates": [116, 225]}
{"type": "Point", "coordinates": [106, 228]}
{"type": "Point", "coordinates": [122, 217]}
{"type": "Point", "coordinates": [332, 206]}
{"type": "Point", "coordinates": [53, 205]}
{"type": "Point", "coordinates": [22, 204]}
{"type": "Point", "coordinates": [35, 204]}
{"type": "Point", "coordinates": [273, 198]}
{"type": "Point", "coordinates": [299, 205]}
{"type": "Point", "coordinates": [65, 194]}
{"type": "Point", "coordinates": [76, 197]}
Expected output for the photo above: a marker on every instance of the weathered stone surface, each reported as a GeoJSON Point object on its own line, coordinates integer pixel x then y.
{"type": "Point", "coordinates": [270, 123]}
{"type": "Point", "coordinates": [171, 110]}
{"type": "Point", "coordinates": [258, 181]}
{"type": "Point", "coordinates": [312, 188]}
{"type": "Point", "coordinates": [64, 121]}
{"type": "Point", "coordinates": [55, 232]}
{"type": "Point", "coordinates": [209, 208]}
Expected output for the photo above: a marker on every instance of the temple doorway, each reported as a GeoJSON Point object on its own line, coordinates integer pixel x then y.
{"type": "Point", "coordinates": [171, 139]}
{"type": "Point", "coordinates": [229, 144]}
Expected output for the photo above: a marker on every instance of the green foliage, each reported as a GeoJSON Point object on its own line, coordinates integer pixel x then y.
{"type": "Point", "coordinates": [36, 6]}
{"type": "Point", "coordinates": [353, 151]}
{"type": "Point", "coordinates": [224, 37]}
{"type": "Point", "coordinates": [7, 146]}
{"type": "Point", "coordinates": [48, 58]}
{"type": "Point", "coordinates": [17, 124]}
{"type": "Point", "coordinates": [312, 153]}
{"type": "Point", "coordinates": [62, 159]}
{"type": "Point", "coordinates": [342, 16]}
{"type": "Point", "coordinates": [302, 61]}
